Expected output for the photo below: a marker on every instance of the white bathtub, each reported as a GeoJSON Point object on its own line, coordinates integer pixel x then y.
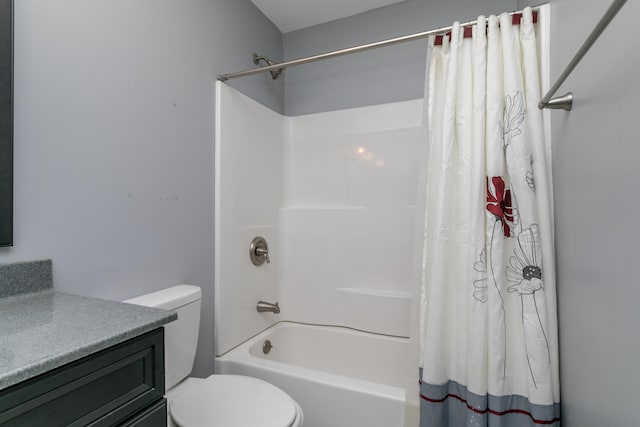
{"type": "Point", "coordinates": [340, 377]}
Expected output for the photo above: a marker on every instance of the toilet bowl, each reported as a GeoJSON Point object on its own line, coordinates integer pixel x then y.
{"type": "Point", "coordinates": [234, 400]}
{"type": "Point", "coordinates": [219, 400]}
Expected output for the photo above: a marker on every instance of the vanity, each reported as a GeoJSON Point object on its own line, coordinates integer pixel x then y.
{"type": "Point", "coordinates": [68, 360]}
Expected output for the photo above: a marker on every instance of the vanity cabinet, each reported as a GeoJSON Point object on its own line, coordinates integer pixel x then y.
{"type": "Point", "coordinates": [122, 385]}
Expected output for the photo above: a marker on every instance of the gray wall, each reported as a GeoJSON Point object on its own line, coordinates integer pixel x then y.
{"type": "Point", "coordinates": [388, 74]}
{"type": "Point", "coordinates": [114, 118]}
{"type": "Point", "coordinates": [597, 178]}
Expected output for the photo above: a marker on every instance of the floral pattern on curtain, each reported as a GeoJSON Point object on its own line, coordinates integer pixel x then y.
{"type": "Point", "coordinates": [489, 353]}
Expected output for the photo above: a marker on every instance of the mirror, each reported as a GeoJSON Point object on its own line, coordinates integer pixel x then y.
{"type": "Point", "coordinates": [6, 122]}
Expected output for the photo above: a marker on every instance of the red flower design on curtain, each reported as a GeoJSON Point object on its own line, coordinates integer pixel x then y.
{"type": "Point", "coordinates": [499, 204]}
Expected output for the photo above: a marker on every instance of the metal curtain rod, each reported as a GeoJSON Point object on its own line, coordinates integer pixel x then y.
{"type": "Point", "coordinates": [565, 101]}
{"type": "Point", "coordinates": [349, 50]}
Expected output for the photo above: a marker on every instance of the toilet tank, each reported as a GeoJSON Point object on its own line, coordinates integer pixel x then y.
{"type": "Point", "coordinates": [180, 336]}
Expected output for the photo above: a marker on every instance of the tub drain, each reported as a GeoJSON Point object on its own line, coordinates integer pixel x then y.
{"type": "Point", "coordinates": [267, 346]}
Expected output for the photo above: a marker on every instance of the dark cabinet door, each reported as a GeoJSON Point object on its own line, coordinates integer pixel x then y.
{"type": "Point", "coordinates": [103, 389]}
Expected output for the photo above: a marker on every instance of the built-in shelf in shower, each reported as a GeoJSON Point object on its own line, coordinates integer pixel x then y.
{"type": "Point", "coordinates": [257, 227]}
{"type": "Point", "coordinates": [383, 293]}
{"type": "Point", "coordinates": [340, 207]}
{"type": "Point", "coordinates": [321, 208]}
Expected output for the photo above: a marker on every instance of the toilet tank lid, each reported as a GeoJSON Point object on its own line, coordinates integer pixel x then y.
{"type": "Point", "coordinates": [169, 299]}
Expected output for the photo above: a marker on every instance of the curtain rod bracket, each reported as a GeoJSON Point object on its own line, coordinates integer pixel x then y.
{"type": "Point", "coordinates": [563, 102]}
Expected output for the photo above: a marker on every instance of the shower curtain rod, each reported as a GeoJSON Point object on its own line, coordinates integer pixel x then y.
{"type": "Point", "coordinates": [350, 50]}
{"type": "Point", "coordinates": [561, 102]}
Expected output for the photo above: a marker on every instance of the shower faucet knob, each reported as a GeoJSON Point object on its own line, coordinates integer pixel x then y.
{"type": "Point", "coordinates": [264, 253]}
{"type": "Point", "coordinates": [259, 251]}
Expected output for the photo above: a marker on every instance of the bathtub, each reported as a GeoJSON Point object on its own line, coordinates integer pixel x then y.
{"type": "Point", "coordinates": [340, 377]}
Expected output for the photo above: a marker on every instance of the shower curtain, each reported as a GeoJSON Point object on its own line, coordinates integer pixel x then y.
{"type": "Point", "coordinates": [489, 354]}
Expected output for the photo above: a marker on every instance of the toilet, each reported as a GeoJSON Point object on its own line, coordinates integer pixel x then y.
{"type": "Point", "coordinates": [219, 400]}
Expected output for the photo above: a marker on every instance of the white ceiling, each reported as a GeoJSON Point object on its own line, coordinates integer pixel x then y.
{"type": "Point", "coordinates": [291, 15]}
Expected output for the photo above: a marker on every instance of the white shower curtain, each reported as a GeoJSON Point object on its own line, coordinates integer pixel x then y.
{"type": "Point", "coordinates": [489, 354]}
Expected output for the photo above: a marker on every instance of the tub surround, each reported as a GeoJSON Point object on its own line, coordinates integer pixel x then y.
{"type": "Point", "coordinates": [43, 329]}
{"type": "Point", "coordinates": [336, 200]}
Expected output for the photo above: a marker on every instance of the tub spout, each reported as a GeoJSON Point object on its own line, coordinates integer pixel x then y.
{"type": "Point", "coordinates": [264, 306]}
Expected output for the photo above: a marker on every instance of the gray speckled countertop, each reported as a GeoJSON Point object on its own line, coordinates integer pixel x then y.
{"type": "Point", "coordinates": [44, 330]}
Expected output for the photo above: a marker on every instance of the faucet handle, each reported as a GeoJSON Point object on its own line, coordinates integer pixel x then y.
{"type": "Point", "coordinates": [260, 251]}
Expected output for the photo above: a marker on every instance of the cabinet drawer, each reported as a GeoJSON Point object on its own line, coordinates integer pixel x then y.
{"type": "Point", "coordinates": [155, 416]}
{"type": "Point", "coordinates": [102, 389]}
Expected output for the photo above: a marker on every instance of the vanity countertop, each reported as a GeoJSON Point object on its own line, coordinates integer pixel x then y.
{"type": "Point", "coordinates": [43, 330]}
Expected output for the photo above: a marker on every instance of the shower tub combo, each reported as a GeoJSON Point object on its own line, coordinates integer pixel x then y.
{"type": "Point", "coordinates": [334, 194]}
{"type": "Point", "coordinates": [341, 377]}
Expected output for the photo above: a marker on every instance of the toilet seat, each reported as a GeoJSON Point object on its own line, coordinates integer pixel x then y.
{"type": "Point", "coordinates": [234, 401]}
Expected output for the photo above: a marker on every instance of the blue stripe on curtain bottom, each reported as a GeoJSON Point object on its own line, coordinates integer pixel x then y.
{"type": "Point", "coordinates": [452, 404]}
